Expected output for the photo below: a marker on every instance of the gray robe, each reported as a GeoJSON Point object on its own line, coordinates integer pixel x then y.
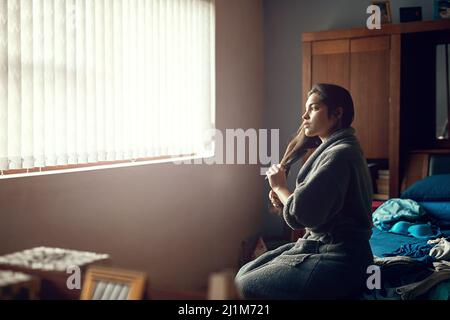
{"type": "Point", "coordinates": [332, 200]}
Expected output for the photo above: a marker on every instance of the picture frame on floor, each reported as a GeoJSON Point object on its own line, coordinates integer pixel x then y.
{"type": "Point", "coordinates": [104, 283]}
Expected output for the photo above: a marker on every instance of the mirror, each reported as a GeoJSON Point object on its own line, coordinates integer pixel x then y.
{"type": "Point", "coordinates": [442, 91]}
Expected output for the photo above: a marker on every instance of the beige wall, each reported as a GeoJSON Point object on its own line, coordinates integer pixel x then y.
{"type": "Point", "coordinates": [177, 223]}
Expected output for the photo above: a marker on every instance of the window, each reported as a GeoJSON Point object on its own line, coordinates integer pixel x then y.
{"type": "Point", "coordinates": [95, 81]}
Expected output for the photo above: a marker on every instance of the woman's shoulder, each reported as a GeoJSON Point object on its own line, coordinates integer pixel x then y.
{"type": "Point", "coordinates": [342, 152]}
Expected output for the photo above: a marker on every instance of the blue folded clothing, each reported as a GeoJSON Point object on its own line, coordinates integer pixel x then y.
{"type": "Point", "coordinates": [418, 251]}
{"type": "Point", "coordinates": [417, 230]}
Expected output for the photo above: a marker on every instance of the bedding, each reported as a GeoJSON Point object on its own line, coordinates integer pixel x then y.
{"type": "Point", "coordinates": [432, 188]}
{"type": "Point", "coordinates": [417, 230]}
{"type": "Point", "coordinates": [404, 261]}
{"type": "Point", "coordinates": [405, 242]}
{"type": "Point", "coordinates": [439, 210]}
{"type": "Point", "coordinates": [384, 242]}
{"type": "Point", "coordinates": [394, 210]}
{"type": "Point", "coordinates": [440, 292]}
{"type": "Point", "coordinates": [402, 243]}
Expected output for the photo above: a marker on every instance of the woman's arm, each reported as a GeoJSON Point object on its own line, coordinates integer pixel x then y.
{"type": "Point", "coordinates": [316, 200]}
{"type": "Point", "coordinates": [283, 194]}
{"type": "Point", "coordinates": [277, 181]}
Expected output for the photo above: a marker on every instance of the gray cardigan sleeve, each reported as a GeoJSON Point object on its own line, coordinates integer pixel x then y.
{"type": "Point", "coordinates": [317, 199]}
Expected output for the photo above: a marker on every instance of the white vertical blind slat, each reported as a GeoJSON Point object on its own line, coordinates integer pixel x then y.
{"type": "Point", "coordinates": [118, 78]}
{"type": "Point", "coordinates": [3, 85]}
{"type": "Point", "coordinates": [126, 76]}
{"type": "Point", "coordinates": [92, 80]}
{"type": "Point", "coordinates": [38, 84]}
{"type": "Point", "coordinates": [149, 79]}
{"type": "Point", "coordinates": [185, 141]}
{"type": "Point", "coordinates": [109, 85]}
{"type": "Point", "coordinates": [140, 115]}
{"type": "Point", "coordinates": [161, 73]}
{"type": "Point", "coordinates": [100, 78]}
{"type": "Point", "coordinates": [71, 83]}
{"type": "Point", "coordinates": [190, 71]}
{"type": "Point", "coordinates": [49, 83]}
{"type": "Point", "coordinates": [170, 75]}
{"type": "Point", "coordinates": [14, 85]}
{"type": "Point", "coordinates": [211, 66]}
{"type": "Point", "coordinates": [154, 74]}
{"type": "Point", "coordinates": [91, 93]}
{"type": "Point", "coordinates": [81, 82]}
{"type": "Point", "coordinates": [26, 25]}
{"type": "Point", "coordinates": [60, 83]}
{"type": "Point", "coordinates": [132, 107]}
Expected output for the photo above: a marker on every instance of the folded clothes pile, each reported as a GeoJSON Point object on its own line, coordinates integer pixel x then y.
{"type": "Point", "coordinates": [414, 271]}
{"type": "Point", "coordinates": [406, 217]}
{"type": "Point", "coordinates": [394, 210]}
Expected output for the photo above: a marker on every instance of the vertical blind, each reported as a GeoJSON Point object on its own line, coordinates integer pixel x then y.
{"type": "Point", "coordinates": [83, 81]}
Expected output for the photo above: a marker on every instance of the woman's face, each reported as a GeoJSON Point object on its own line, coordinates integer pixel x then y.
{"type": "Point", "coordinates": [315, 118]}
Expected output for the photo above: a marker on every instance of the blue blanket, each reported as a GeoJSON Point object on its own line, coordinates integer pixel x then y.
{"type": "Point", "coordinates": [383, 242]}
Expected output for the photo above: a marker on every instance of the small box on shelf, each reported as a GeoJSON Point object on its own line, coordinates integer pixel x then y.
{"type": "Point", "coordinates": [383, 173]}
{"type": "Point", "coordinates": [382, 185]}
{"type": "Point", "coordinates": [380, 176]}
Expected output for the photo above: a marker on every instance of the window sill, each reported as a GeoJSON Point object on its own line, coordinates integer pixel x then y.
{"type": "Point", "coordinates": [18, 173]}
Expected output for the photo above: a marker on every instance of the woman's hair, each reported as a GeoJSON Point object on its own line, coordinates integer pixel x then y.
{"type": "Point", "coordinates": [332, 96]}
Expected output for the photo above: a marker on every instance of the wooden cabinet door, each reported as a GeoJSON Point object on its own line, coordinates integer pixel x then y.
{"type": "Point", "coordinates": [369, 86]}
{"type": "Point", "coordinates": [331, 62]}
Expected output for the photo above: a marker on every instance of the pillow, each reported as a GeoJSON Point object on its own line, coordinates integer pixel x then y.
{"type": "Point", "coordinates": [433, 188]}
{"type": "Point", "coordinates": [438, 210]}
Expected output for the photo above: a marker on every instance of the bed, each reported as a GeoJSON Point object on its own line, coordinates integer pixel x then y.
{"type": "Point", "coordinates": [430, 197]}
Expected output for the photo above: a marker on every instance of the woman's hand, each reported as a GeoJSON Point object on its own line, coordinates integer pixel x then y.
{"type": "Point", "coordinates": [276, 202]}
{"type": "Point", "coordinates": [277, 177]}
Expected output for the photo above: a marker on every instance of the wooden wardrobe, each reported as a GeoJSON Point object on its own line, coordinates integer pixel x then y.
{"type": "Point", "coordinates": [371, 65]}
